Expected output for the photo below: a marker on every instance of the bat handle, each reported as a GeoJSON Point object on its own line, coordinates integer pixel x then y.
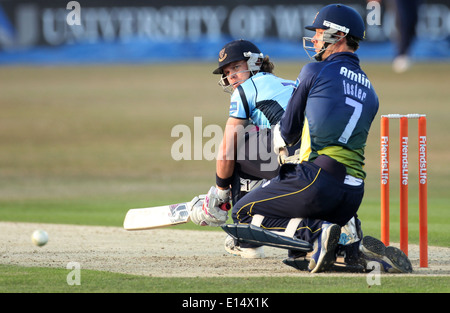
{"type": "Point", "coordinates": [225, 206]}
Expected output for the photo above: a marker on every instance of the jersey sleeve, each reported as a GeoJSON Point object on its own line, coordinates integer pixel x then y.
{"type": "Point", "coordinates": [292, 121]}
{"type": "Point", "coordinates": [239, 106]}
{"type": "Point", "coordinates": [243, 101]}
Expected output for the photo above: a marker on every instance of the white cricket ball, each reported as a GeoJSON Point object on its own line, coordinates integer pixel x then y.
{"type": "Point", "coordinates": [39, 238]}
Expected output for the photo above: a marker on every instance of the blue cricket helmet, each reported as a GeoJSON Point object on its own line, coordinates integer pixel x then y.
{"type": "Point", "coordinates": [341, 18]}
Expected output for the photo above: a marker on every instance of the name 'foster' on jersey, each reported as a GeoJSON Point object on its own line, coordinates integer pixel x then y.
{"type": "Point", "coordinates": [334, 105]}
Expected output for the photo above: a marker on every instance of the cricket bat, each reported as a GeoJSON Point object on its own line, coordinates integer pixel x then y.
{"type": "Point", "coordinates": [163, 216]}
{"type": "Point", "coordinates": [155, 217]}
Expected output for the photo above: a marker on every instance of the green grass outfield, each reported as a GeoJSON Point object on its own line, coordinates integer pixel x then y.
{"type": "Point", "coordinates": [42, 280]}
{"type": "Point", "coordinates": [81, 145]}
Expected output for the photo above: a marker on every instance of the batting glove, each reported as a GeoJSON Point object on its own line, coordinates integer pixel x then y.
{"type": "Point", "coordinates": [213, 210]}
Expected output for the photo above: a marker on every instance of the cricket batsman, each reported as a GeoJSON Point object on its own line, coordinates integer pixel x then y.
{"type": "Point", "coordinates": [245, 158]}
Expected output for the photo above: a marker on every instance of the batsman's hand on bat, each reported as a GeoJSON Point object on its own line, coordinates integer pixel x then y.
{"type": "Point", "coordinates": [213, 210]}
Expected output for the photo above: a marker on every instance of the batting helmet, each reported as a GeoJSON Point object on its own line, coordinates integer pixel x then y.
{"type": "Point", "coordinates": [341, 18]}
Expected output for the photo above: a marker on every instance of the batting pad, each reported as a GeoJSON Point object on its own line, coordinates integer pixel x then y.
{"type": "Point", "coordinates": [252, 234]}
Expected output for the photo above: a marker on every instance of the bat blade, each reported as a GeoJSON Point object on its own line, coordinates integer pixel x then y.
{"type": "Point", "coordinates": [156, 217]}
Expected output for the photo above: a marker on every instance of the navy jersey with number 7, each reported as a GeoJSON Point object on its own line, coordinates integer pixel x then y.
{"type": "Point", "coordinates": [331, 111]}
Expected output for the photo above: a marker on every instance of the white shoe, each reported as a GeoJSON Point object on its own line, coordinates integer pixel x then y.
{"type": "Point", "coordinates": [233, 248]}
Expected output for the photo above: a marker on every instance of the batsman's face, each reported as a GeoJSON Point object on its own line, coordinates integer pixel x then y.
{"type": "Point", "coordinates": [236, 73]}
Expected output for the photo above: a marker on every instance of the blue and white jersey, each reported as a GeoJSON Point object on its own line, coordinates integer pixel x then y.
{"type": "Point", "coordinates": [262, 99]}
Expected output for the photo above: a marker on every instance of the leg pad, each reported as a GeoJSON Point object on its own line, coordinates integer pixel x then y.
{"type": "Point", "coordinates": [252, 234]}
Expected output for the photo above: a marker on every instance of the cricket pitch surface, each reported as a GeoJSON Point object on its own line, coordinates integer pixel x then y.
{"type": "Point", "coordinates": [168, 252]}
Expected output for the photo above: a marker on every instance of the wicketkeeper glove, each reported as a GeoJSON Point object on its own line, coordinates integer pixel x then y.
{"type": "Point", "coordinates": [213, 210]}
{"type": "Point", "coordinates": [279, 145]}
